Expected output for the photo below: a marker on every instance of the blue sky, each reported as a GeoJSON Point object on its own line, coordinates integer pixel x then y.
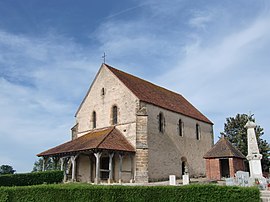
{"type": "Point", "coordinates": [215, 53]}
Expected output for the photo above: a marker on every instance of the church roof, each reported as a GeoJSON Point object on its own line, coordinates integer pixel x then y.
{"type": "Point", "coordinates": [158, 96]}
{"type": "Point", "coordinates": [223, 148]}
{"type": "Point", "coordinates": [108, 139]}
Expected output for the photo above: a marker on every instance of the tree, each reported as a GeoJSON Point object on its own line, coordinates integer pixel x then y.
{"type": "Point", "coordinates": [6, 169]}
{"type": "Point", "coordinates": [50, 165]}
{"type": "Point", "coordinates": [236, 133]}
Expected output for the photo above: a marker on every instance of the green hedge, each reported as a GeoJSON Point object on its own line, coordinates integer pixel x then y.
{"type": "Point", "coordinates": [25, 179]}
{"type": "Point", "coordinates": [85, 192]}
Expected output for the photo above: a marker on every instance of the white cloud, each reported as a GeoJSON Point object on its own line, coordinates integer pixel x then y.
{"type": "Point", "coordinates": [221, 67]}
{"type": "Point", "coordinates": [41, 81]}
{"type": "Point", "coordinates": [200, 19]}
{"type": "Point", "coordinates": [228, 77]}
{"type": "Point", "coordinates": [213, 64]}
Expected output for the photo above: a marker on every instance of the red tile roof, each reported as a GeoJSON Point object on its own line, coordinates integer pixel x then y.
{"type": "Point", "coordinates": [158, 96]}
{"type": "Point", "coordinates": [107, 138]}
{"type": "Point", "coordinates": [223, 148]}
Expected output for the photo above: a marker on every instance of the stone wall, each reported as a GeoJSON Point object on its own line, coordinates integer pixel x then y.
{"type": "Point", "coordinates": [165, 150]}
{"type": "Point", "coordinates": [141, 146]}
{"type": "Point", "coordinates": [83, 169]}
{"type": "Point", "coordinates": [115, 93]}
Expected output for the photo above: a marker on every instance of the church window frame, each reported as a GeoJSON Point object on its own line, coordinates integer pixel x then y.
{"type": "Point", "coordinates": [180, 128]}
{"type": "Point", "coordinates": [114, 115]}
{"type": "Point", "coordinates": [102, 92]}
{"type": "Point", "coordinates": [198, 131]}
{"type": "Point", "coordinates": [94, 119]}
{"type": "Point", "coordinates": [161, 122]}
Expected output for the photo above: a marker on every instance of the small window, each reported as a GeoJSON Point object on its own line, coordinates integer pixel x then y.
{"type": "Point", "coordinates": [161, 122]}
{"type": "Point", "coordinates": [198, 131]}
{"type": "Point", "coordinates": [103, 91]}
{"type": "Point", "coordinates": [114, 115]}
{"type": "Point", "coordinates": [94, 119]}
{"type": "Point", "coordinates": [180, 127]}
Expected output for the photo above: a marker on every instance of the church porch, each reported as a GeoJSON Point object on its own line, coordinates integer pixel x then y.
{"type": "Point", "coordinates": [99, 156]}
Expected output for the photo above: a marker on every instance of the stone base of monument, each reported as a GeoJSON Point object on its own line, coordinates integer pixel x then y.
{"type": "Point", "coordinates": [185, 179]}
{"type": "Point", "coordinates": [242, 179]}
{"type": "Point", "coordinates": [260, 182]}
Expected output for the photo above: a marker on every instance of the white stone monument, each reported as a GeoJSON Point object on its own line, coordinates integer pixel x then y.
{"type": "Point", "coordinates": [254, 157]}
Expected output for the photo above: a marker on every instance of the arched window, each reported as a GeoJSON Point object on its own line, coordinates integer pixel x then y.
{"type": "Point", "coordinates": [198, 131]}
{"type": "Point", "coordinates": [180, 127]}
{"type": "Point", "coordinates": [161, 122]}
{"type": "Point", "coordinates": [114, 115]}
{"type": "Point", "coordinates": [94, 119]}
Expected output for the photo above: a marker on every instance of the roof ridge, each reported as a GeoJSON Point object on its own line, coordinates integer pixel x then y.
{"type": "Point", "coordinates": [110, 67]}
{"type": "Point", "coordinates": [157, 95]}
{"type": "Point", "coordinates": [105, 136]}
{"type": "Point", "coordinates": [230, 150]}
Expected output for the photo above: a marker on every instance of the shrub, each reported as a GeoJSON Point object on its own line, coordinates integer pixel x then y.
{"type": "Point", "coordinates": [86, 192]}
{"type": "Point", "coordinates": [25, 179]}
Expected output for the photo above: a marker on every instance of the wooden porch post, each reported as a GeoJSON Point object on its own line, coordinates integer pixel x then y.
{"type": "Point", "coordinates": [97, 155]}
{"type": "Point", "coordinates": [120, 167]}
{"type": "Point", "coordinates": [131, 168]}
{"type": "Point", "coordinates": [110, 168]}
{"type": "Point", "coordinates": [62, 160]}
{"type": "Point", "coordinates": [45, 159]}
{"type": "Point", "coordinates": [73, 160]}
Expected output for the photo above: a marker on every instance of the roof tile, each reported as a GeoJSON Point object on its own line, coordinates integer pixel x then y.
{"type": "Point", "coordinates": [108, 138]}
{"type": "Point", "coordinates": [223, 148]}
{"type": "Point", "coordinates": [158, 96]}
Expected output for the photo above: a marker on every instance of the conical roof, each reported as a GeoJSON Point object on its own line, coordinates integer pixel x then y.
{"type": "Point", "coordinates": [223, 148]}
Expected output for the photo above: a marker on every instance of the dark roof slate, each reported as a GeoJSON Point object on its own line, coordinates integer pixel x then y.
{"type": "Point", "coordinates": [223, 148]}
{"type": "Point", "coordinates": [158, 96]}
{"type": "Point", "coordinates": [108, 138]}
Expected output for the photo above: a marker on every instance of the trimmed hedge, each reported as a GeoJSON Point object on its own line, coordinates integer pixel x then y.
{"type": "Point", "coordinates": [85, 192]}
{"type": "Point", "coordinates": [24, 179]}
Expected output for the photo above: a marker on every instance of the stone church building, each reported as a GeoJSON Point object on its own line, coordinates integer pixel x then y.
{"type": "Point", "coordinates": [130, 130]}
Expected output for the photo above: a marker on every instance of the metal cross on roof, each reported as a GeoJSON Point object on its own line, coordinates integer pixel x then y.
{"type": "Point", "coordinates": [250, 115]}
{"type": "Point", "coordinates": [104, 57]}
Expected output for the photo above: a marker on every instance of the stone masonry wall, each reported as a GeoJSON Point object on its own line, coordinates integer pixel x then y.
{"type": "Point", "coordinates": [166, 149]}
{"type": "Point", "coordinates": [115, 93]}
{"type": "Point", "coordinates": [141, 146]}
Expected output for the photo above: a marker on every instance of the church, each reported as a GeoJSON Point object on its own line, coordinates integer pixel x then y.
{"type": "Point", "coordinates": [130, 130]}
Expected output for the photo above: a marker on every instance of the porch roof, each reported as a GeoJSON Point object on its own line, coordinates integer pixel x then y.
{"type": "Point", "coordinates": [107, 139]}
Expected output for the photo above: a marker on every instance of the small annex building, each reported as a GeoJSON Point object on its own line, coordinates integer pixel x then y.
{"type": "Point", "coordinates": [223, 160]}
{"type": "Point", "coordinates": [130, 130]}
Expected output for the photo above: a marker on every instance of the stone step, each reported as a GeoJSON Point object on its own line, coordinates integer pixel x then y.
{"type": "Point", "coordinates": [265, 193]}
{"type": "Point", "coordinates": [265, 196]}
{"type": "Point", "coordinates": [265, 199]}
